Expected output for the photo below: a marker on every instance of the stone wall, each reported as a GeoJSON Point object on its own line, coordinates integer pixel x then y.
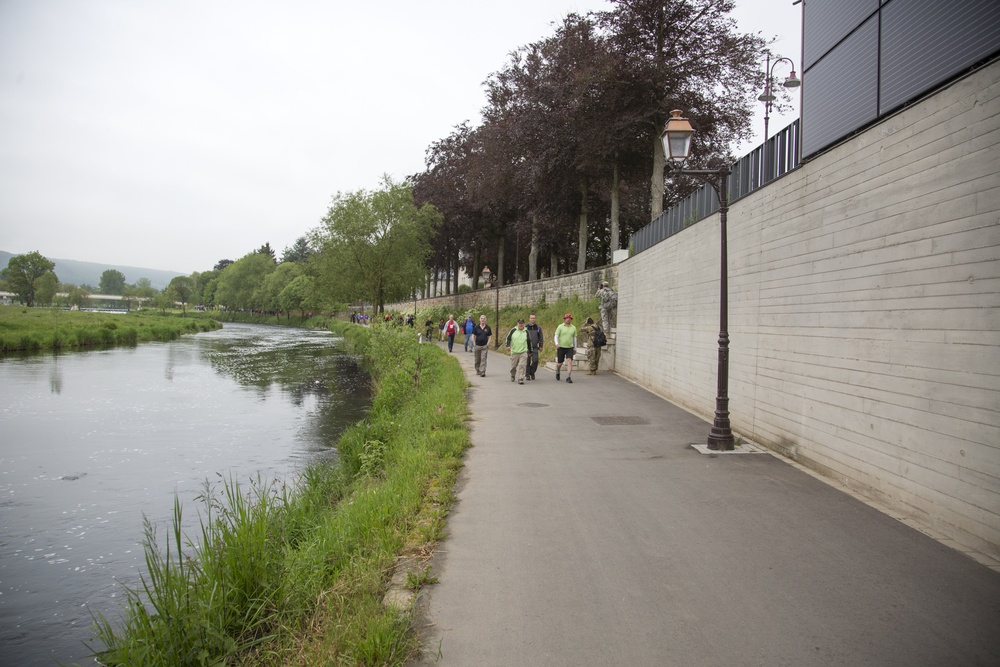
{"type": "Point", "coordinates": [864, 313]}
{"type": "Point", "coordinates": [583, 284]}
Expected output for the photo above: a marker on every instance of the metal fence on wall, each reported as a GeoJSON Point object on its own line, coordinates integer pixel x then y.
{"type": "Point", "coordinates": [778, 156]}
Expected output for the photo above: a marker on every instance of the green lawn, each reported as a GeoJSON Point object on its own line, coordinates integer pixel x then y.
{"type": "Point", "coordinates": [35, 329]}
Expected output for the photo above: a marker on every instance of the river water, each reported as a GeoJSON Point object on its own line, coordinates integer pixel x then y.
{"type": "Point", "coordinates": [90, 442]}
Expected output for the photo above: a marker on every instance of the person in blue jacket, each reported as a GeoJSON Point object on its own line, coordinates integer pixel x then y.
{"type": "Point", "coordinates": [467, 329]}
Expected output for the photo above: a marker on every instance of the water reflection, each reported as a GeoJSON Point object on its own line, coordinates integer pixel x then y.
{"type": "Point", "coordinates": [92, 441]}
{"type": "Point", "coordinates": [55, 377]}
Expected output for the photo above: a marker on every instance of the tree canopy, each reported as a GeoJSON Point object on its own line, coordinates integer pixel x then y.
{"type": "Point", "coordinates": [112, 282]}
{"type": "Point", "coordinates": [238, 283]}
{"type": "Point", "coordinates": [181, 289]}
{"type": "Point", "coordinates": [374, 244]}
{"type": "Point", "coordinates": [567, 160]}
{"type": "Point", "coordinates": [22, 274]}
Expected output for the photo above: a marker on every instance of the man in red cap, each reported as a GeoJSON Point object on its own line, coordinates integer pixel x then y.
{"type": "Point", "coordinates": [565, 340]}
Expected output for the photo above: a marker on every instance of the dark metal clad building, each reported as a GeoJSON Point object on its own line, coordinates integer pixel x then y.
{"type": "Point", "coordinates": [864, 59]}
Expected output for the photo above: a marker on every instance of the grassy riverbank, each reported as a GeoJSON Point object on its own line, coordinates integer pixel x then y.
{"type": "Point", "coordinates": [36, 329]}
{"type": "Point", "coordinates": [297, 574]}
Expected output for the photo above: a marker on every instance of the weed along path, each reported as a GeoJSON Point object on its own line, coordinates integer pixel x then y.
{"type": "Point", "coordinates": [588, 531]}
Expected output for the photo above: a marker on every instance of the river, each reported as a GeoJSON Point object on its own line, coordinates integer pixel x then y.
{"type": "Point", "coordinates": [90, 442]}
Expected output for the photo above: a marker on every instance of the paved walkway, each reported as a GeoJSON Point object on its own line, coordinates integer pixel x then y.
{"type": "Point", "coordinates": [588, 532]}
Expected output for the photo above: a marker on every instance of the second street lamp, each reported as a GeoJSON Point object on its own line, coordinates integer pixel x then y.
{"type": "Point", "coordinates": [677, 146]}
{"type": "Point", "coordinates": [768, 97]}
{"type": "Point", "coordinates": [490, 280]}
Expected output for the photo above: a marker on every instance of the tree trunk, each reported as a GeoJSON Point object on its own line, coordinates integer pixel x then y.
{"type": "Point", "coordinates": [454, 260]}
{"type": "Point", "coordinates": [553, 265]}
{"type": "Point", "coordinates": [615, 207]}
{"type": "Point", "coordinates": [499, 271]}
{"type": "Point", "coordinates": [533, 255]}
{"type": "Point", "coordinates": [476, 271]}
{"type": "Point", "coordinates": [581, 255]}
{"type": "Point", "coordinates": [657, 181]}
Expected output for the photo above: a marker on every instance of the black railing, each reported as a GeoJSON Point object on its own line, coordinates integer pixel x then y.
{"type": "Point", "coordinates": [778, 156]}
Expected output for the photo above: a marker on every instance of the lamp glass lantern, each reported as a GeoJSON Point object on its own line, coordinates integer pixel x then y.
{"type": "Point", "coordinates": [676, 137]}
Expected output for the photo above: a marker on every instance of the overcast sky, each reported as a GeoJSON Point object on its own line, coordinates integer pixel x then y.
{"type": "Point", "coordinates": [172, 134]}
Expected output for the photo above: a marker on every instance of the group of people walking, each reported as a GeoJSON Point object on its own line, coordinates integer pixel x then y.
{"type": "Point", "coordinates": [525, 341]}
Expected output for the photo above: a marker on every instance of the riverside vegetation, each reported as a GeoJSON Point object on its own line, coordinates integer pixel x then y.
{"type": "Point", "coordinates": [36, 329]}
{"type": "Point", "coordinates": [296, 573]}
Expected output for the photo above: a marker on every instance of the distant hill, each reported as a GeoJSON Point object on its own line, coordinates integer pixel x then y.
{"type": "Point", "coordinates": [89, 273]}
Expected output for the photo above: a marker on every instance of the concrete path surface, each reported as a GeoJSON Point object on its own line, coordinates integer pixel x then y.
{"type": "Point", "coordinates": [588, 531]}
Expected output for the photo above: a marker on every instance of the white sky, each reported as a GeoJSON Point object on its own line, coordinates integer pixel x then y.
{"type": "Point", "coordinates": [173, 134]}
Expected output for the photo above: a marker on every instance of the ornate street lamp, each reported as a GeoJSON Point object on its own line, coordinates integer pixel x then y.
{"type": "Point", "coordinates": [490, 280]}
{"type": "Point", "coordinates": [677, 146]}
{"type": "Point", "coordinates": [768, 97]}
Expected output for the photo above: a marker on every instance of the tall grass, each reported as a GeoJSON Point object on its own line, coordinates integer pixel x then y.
{"type": "Point", "coordinates": [295, 574]}
{"type": "Point", "coordinates": [36, 329]}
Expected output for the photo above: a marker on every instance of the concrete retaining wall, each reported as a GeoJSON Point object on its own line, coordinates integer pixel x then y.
{"type": "Point", "coordinates": [583, 284]}
{"type": "Point", "coordinates": [864, 313]}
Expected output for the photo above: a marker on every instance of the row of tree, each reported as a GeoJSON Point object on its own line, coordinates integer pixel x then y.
{"type": "Point", "coordinates": [567, 161]}
{"type": "Point", "coordinates": [371, 246]}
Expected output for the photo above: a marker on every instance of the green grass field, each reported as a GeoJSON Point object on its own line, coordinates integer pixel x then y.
{"type": "Point", "coordinates": [36, 329]}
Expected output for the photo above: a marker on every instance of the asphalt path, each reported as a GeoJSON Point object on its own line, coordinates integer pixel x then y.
{"type": "Point", "coordinates": [588, 531]}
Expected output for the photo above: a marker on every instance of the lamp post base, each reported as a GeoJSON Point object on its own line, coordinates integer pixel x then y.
{"type": "Point", "coordinates": [721, 438]}
{"type": "Point", "coordinates": [720, 441]}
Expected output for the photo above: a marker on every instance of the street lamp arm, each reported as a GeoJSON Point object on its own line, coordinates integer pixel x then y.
{"type": "Point", "coordinates": [713, 177]}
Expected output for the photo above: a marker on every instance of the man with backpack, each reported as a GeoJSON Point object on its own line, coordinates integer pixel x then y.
{"type": "Point", "coordinates": [609, 304]}
{"type": "Point", "coordinates": [596, 340]}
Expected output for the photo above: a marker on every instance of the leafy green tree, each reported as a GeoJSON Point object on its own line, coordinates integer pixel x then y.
{"type": "Point", "coordinates": [112, 282]}
{"type": "Point", "coordinates": [21, 273]}
{"type": "Point", "coordinates": [144, 289]}
{"type": "Point", "coordinates": [267, 251]}
{"type": "Point", "coordinates": [208, 292]}
{"type": "Point", "coordinates": [239, 282]}
{"type": "Point", "coordinates": [374, 245]}
{"type": "Point", "coordinates": [300, 294]}
{"type": "Point", "coordinates": [221, 264]}
{"type": "Point", "coordinates": [298, 251]}
{"type": "Point", "coordinates": [77, 297]}
{"type": "Point", "coordinates": [162, 301]}
{"type": "Point", "coordinates": [128, 296]}
{"type": "Point", "coordinates": [204, 287]}
{"type": "Point", "coordinates": [180, 289]}
{"type": "Point", "coordinates": [275, 282]}
{"type": "Point", "coordinates": [45, 288]}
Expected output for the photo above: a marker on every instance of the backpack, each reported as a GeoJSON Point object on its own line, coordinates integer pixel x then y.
{"type": "Point", "coordinates": [600, 340]}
